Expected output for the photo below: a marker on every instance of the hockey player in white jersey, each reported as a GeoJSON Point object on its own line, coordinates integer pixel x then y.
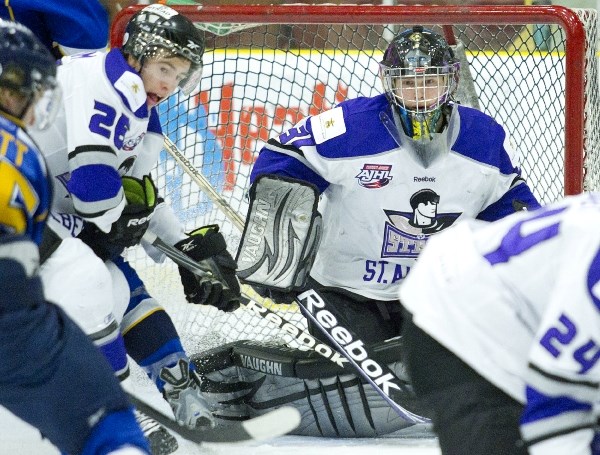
{"type": "Point", "coordinates": [509, 312]}
{"type": "Point", "coordinates": [385, 174]}
{"type": "Point", "coordinates": [100, 151]}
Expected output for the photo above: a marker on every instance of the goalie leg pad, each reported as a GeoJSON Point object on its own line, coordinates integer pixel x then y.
{"type": "Point", "coordinates": [281, 235]}
{"type": "Point", "coordinates": [333, 401]}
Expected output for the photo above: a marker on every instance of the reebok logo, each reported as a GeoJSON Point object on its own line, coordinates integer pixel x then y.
{"type": "Point", "coordinates": [139, 221]}
{"type": "Point", "coordinates": [355, 349]}
{"type": "Point", "coordinates": [299, 335]}
{"type": "Point", "coordinates": [423, 179]}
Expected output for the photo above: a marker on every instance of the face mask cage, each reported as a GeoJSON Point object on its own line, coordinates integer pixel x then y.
{"type": "Point", "coordinates": [43, 92]}
{"type": "Point", "coordinates": [419, 90]}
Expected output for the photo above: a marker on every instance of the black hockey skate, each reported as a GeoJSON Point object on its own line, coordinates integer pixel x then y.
{"type": "Point", "coordinates": [160, 440]}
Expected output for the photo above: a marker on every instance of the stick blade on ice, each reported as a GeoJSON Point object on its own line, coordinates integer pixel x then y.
{"type": "Point", "coordinates": [270, 425]}
{"type": "Point", "coordinates": [281, 420]}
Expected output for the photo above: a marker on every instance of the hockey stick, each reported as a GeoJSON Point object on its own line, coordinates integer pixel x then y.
{"type": "Point", "coordinates": [301, 336]}
{"type": "Point", "coordinates": [270, 425]}
{"type": "Point", "coordinates": [204, 184]}
{"type": "Point", "coordinates": [381, 377]}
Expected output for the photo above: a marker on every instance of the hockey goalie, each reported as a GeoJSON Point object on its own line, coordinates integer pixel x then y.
{"type": "Point", "coordinates": [343, 203]}
{"type": "Point", "coordinates": [247, 378]}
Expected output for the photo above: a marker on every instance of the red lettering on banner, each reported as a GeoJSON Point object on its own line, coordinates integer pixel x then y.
{"type": "Point", "coordinates": [254, 123]}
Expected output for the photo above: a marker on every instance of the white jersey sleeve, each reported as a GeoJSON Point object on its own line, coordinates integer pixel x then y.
{"type": "Point", "coordinates": [563, 374]}
{"type": "Point", "coordinates": [518, 300]}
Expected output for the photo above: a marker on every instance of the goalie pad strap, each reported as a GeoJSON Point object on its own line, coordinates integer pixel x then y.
{"type": "Point", "coordinates": [281, 235]}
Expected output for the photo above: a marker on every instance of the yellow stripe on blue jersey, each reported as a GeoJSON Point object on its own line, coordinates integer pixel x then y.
{"type": "Point", "coordinates": [25, 192]}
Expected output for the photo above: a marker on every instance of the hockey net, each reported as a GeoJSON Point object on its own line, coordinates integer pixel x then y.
{"type": "Point", "coordinates": [266, 67]}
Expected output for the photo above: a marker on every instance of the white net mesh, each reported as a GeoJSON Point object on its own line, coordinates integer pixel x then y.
{"type": "Point", "coordinates": [261, 79]}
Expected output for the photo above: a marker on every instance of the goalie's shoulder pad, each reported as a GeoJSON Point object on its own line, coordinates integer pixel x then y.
{"type": "Point", "coordinates": [328, 125]}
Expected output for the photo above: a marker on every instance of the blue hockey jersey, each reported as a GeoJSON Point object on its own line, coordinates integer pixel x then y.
{"type": "Point", "coordinates": [25, 192]}
{"type": "Point", "coordinates": [74, 25]}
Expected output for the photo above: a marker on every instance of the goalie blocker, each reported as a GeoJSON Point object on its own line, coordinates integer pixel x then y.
{"type": "Point", "coordinates": [245, 379]}
{"type": "Point", "coordinates": [281, 235]}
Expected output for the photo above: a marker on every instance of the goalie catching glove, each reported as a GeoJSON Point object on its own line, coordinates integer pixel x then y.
{"type": "Point", "coordinates": [219, 287]}
{"type": "Point", "coordinates": [142, 199]}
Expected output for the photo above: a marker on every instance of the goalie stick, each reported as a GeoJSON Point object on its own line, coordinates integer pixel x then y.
{"type": "Point", "coordinates": [381, 378]}
{"type": "Point", "coordinates": [270, 425]}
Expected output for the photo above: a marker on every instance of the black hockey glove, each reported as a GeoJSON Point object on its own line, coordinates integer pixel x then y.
{"type": "Point", "coordinates": [128, 230]}
{"type": "Point", "coordinates": [220, 287]}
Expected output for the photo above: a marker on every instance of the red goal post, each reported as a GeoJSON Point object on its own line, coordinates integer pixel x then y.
{"type": "Point", "coordinates": [533, 68]}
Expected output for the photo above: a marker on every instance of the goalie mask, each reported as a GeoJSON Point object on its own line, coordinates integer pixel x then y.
{"type": "Point", "coordinates": [419, 73]}
{"type": "Point", "coordinates": [29, 71]}
{"type": "Point", "coordinates": [160, 31]}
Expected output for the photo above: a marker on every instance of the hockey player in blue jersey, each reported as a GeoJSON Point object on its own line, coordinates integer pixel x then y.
{"type": "Point", "coordinates": [65, 27]}
{"type": "Point", "coordinates": [51, 375]}
{"type": "Point", "coordinates": [374, 178]}
{"type": "Point", "coordinates": [510, 313]}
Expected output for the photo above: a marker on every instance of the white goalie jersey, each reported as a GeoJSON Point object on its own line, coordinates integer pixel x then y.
{"type": "Point", "coordinates": [384, 194]}
{"type": "Point", "coordinates": [519, 301]}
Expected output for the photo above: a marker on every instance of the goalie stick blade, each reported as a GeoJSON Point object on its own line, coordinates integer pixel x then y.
{"type": "Point", "coordinates": [270, 425]}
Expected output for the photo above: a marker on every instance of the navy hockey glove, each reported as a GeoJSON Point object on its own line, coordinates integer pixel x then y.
{"type": "Point", "coordinates": [220, 286]}
{"type": "Point", "coordinates": [128, 230]}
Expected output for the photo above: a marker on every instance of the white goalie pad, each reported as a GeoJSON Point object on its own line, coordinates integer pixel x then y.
{"type": "Point", "coordinates": [281, 235]}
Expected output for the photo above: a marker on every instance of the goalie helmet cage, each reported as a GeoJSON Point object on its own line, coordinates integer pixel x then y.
{"type": "Point", "coordinates": [532, 68]}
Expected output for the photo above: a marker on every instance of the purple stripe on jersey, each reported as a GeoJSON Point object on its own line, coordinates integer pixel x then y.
{"type": "Point", "coordinates": [540, 406]}
{"type": "Point", "coordinates": [95, 182]}
{"type": "Point", "coordinates": [154, 123]}
{"type": "Point", "coordinates": [481, 138]}
{"type": "Point", "coordinates": [270, 162]}
{"type": "Point", "coordinates": [515, 243]}
{"type": "Point", "coordinates": [593, 280]}
{"type": "Point", "coordinates": [115, 65]}
{"type": "Point", "coordinates": [298, 137]}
